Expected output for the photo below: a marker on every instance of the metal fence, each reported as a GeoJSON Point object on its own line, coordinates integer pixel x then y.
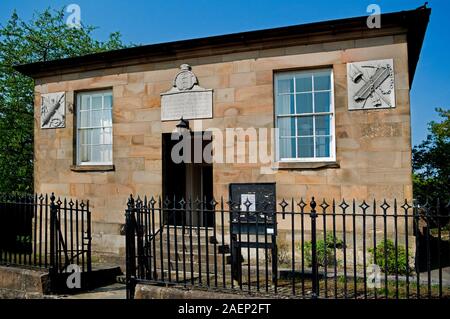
{"type": "Point", "coordinates": [336, 249]}
{"type": "Point", "coordinates": [41, 231]}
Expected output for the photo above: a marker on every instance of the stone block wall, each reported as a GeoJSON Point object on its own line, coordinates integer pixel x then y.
{"type": "Point", "coordinates": [373, 147]}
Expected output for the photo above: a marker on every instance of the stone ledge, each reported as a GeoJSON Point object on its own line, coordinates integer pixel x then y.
{"type": "Point", "coordinates": [305, 165]}
{"type": "Point", "coordinates": [92, 168]}
{"type": "Point", "coordinates": [23, 282]}
{"type": "Point", "coordinates": [18, 294]}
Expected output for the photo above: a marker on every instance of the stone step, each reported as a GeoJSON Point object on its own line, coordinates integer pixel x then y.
{"type": "Point", "coordinates": [195, 238]}
{"type": "Point", "coordinates": [187, 255]}
{"type": "Point", "coordinates": [179, 229]}
{"type": "Point", "coordinates": [211, 275]}
{"type": "Point", "coordinates": [220, 270]}
{"type": "Point", "coordinates": [187, 245]}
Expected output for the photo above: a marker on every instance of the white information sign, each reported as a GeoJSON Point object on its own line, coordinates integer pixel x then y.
{"type": "Point", "coordinates": [245, 200]}
{"type": "Point", "coordinates": [187, 105]}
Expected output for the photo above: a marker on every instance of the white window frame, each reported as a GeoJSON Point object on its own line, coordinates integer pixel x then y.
{"type": "Point", "coordinates": [78, 109]}
{"type": "Point", "coordinates": [332, 157]}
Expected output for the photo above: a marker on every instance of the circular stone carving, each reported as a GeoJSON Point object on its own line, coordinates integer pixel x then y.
{"type": "Point", "coordinates": [185, 79]}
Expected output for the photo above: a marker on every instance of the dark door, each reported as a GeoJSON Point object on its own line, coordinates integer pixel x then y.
{"type": "Point", "coordinates": [189, 181]}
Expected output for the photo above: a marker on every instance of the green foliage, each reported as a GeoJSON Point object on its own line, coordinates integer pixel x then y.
{"type": "Point", "coordinates": [387, 263]}
{"type": "Point", "coordinates": [431, 161]}
{"type": "Point", "coordinates": [23, 243]}
{"type": "Point", "coordinates": [324, 250]}
{"type": "Point", "coordinates": [45, 37]}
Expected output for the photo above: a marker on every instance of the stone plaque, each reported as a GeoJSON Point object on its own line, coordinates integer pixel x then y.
{"type": "Point", "coordinates": [53, 110]}
{"type": "Point", "coordinates": [186, 99]}
{"type": "Point", "coordinates": [370, 85]}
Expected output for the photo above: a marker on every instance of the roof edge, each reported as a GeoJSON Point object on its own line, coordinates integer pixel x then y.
{"type": "Point", "coordinates": [414, 21]}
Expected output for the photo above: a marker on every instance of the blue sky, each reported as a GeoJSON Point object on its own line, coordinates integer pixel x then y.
{"type": "Point", "coordinates": [153, 21]}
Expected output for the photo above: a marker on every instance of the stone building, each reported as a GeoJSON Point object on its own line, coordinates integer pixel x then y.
{"type": "Point", "coordinates": [338, 92]}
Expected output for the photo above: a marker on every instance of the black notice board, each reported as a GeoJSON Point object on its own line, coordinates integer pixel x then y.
{"type": "Point", "coordinates": [260, 217]}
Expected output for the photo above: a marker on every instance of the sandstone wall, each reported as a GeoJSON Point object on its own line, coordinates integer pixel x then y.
{"type": "Point", "coordinates": [373, 147]}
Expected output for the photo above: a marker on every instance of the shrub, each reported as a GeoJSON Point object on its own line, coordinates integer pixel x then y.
{"type": "Point", "coordinates": [324, 250]}
{"type": "Point", "coordinates": [284, 256]}
{"type": "Point", "coordinates": [391, 267]}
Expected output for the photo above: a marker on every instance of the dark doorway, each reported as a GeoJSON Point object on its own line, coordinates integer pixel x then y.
{"type": "Point", "coordinates": [188, 180]}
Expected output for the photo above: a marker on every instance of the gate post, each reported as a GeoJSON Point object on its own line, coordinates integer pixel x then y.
{"type": "Point", "coordinates": [130, 249]}
{"type": "Point", "coordinates": [315, 279]}
{"type": "Point", "coordinates": [89, 238]}
{"type": "Point", "coordinates": [53, 270]}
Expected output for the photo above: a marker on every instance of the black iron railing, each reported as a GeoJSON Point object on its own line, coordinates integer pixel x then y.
{"type": "Point", "coordinates": [41, 231]}
{"type": "Point", "coordinates": [345, 249]}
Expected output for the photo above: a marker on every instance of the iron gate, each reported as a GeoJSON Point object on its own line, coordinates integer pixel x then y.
{"type": "Point", "coordinates": [41, 231]}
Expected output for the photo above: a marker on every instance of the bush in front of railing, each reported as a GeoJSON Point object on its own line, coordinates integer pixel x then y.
{"type": "Point", "coordinates": [391, 259]}
{"type": "Point", "coordinates": [324, 250]}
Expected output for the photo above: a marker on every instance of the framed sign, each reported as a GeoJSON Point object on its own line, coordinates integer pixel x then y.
{"type": "Point", "coordinates": [186, 99]}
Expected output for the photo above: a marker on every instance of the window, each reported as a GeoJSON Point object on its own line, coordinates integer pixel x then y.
{"type": "Point", "coordinates": [304, 116]}
{"type": "Point", "coordinates": [94, 128]}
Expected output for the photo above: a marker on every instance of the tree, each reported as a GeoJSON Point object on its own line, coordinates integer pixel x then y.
{"type": "Point", "coordinates": [431, 161]}
{"type": "Point", "coordinates": [45, 37]}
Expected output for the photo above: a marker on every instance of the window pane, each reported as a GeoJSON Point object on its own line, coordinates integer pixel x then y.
{"type": "Point", "coordinates": [97, 117]}
{"type": "Point", "coordinates": [96, 102]}
{"type": "Point", "coordinates": [96, 155]}
{"type": "Point", "coordinates": [322, 102]}
{"type": "Point", "coordinates": [322, 81]}
{"type": "Point", "coordinates": [323, 146]}
{"type": "Point", "coordinates": [285, 85]}
{"type": "Point", "coordinates": [106, 151]}
{"type": "Point", "coordinates": [96, 136]}
{"type": "Point", "coordinates": [85, 153]}
{"type": "Point", "coordinates": [313, 132]}
{"type": "Point", "coordinates": [287, 148]}
{"type": "Point", "coordinates": [286, 126]}
{"type": "Point", "coordinates": [107, 120]}
{"type": "Point", "coordinates": [303, 83]}
{"type": "Point", "coordinates": [84, 119]}
{"type": "Point", "coordinates": [305, 147]}
{"type": "Point", "coordinates": [285, 104]}
{"type": "Point", "coordinates": [95, 143]}
{"type": "Point", "coordinates": [107, 136]}
{"type": "Point", "coordinates": [101, 153]}
{"type": "Point", "coordinates": [323, 125]}
{"type": "Point", "coordinates": [304, 103]}
{"type": "Point", "coordinates": [84, 102]}
{"type": "Point", "coordinates": [305, 126]}
{"type": "Point", "coordinates": [85, 137]}
{"type": "Point", "coordinates": [107, 101]}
